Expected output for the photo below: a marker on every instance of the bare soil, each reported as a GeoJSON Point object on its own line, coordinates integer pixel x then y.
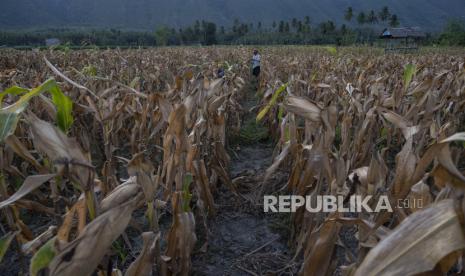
{"type": "Point", "coordinates": [241, 239]}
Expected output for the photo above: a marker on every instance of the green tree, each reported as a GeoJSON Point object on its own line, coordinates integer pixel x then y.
{"type": "Point", "coordinates": [453, 34]}
{"type": "Point", "coordinates": [300, 27]}
{"type": "Point", "coordinates": [372, 19]}
{"type": "Point", "coordinates": [294, 23]}
{"type": "Point", "coordinates": [327, 27]}
{"type": "Point", "coordinates": [161, 35]}
{"type": "Point", "coordinates": [210, 33]}
{"type": "Point", "coordinates": [394, 21]}
{"type": "Point", "coordinates": [349, 14]}
{"type": "Point", "coordinates": [281, 26]}
{"type": "Point", "coordinates": [384, 14]}
{"type": "Point", "coordinates": [361, 18]}
{"type": "Point", "coordinates": [307, 20]}
{"type": "Point", "coordinates": [343, 29]}
{"type": "Point", "coordinates": [286, 27]}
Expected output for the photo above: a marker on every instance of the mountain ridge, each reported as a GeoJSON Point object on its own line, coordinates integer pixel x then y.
{"type": "Point", "coordinates": [147, 14]}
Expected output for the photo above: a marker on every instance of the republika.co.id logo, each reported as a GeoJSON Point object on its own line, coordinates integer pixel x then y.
{"type": "Point", "coordinates": [329, 204]}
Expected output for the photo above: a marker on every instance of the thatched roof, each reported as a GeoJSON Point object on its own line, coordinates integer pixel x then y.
{"type": "Point", "coordinates": [402, 32]}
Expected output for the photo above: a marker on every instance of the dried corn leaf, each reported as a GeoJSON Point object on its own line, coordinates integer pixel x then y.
{"type": "Point", "coordinates": [142, 265]}
{"type": "Point", "coordinates": [81, 256]}
{"type": "Point", "coordinates": [417, 244]}
{"type": "Point", "coordinates": [30, 184]}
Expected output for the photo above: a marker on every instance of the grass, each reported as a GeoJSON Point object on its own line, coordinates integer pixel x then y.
{"type": "Point", "coordinates": [251, 133]}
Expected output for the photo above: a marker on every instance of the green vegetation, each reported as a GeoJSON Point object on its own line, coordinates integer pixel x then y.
{"type": "Point", "coordinates": [454, 34]}
{"type": "Point", "coordinates": [251, 133]}
{"type": "Point", "coordinates": [360, 27]}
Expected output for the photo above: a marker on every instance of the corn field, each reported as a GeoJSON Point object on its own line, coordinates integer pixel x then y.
{"type": "Point", "coordinates": [118, 162]}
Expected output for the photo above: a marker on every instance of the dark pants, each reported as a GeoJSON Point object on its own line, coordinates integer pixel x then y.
{"type": "Point", "coordinates": [256, 71]}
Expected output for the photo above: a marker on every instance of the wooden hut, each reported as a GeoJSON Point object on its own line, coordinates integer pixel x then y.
{"type": "Point", "coordinates": [402, 39]}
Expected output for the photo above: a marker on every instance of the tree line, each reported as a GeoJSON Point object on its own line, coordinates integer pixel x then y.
{"type": "Point", "coordinates": [360, 27]}
{"type": "Point", "coordinates": [372, 17]}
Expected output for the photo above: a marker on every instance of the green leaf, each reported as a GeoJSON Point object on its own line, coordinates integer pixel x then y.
{"type": "Point", "coordinates": [64, 108]}
{"type": "Point", "coordinates": [331, 50]}
{"type": "Point", "coordinates": [43, 257]}
{"type": "Point", "coordinates": [14, 90]}
{"type": "Point", "coordinates": [314, 76]}
{"type": "Point", "coordinates": [134, 82]}
{"type": "Point", "coordinates": [287, 134]}
{"type": "Point", "coordinates": [9, 115]}
{"type": "Point", "coordinates": [272, 102]}
{"type": "Point", "coordinates": [5, 242]}
{"type": "Point", "coordinates": [186, 195]}
{"type": "Point", "coordinates": [280, 114]}
{"type": "Point", "coordinates": [90, 71]}
{"type": "Point", "coordinates": [8, 122]}
{"type": "Point", "coordinates": [383, 133]}
{"type": "Point", "coordinates": [409, 71]}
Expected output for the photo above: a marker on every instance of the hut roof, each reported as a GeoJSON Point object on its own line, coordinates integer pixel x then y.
{"type": "Point", "coordinates": [402, 32]}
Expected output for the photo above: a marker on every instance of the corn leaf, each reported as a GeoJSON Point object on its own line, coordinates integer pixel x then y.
{"type": "Point", "coordinates": [409, 71]}
{"type": "Point", "coordinates": [64, 107]}
{"type": "Point", "coordinates": [272, 102]}
{"type": "Point", "coordinates": [30, 184]}
{"type": "Point", "coordinates": [417, 244]}
{"type": "Point", "coordinates": [331, 50]}
{"type": "Point", "coordinates": [14, 90]}
{"type": "Point", "coordinates": [186, 195]}
{"type": "Point", "coordinates": [42, 258]}
{"type": "Point", "coordinates": [5, 242]}
{"type": "Point", "coordinates": [9, 115]}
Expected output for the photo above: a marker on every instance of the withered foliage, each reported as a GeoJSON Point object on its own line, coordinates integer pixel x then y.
{"type": "Point", "coordinates": [374, 125]}
{"type": "Point", "coordinates": [150, 133]}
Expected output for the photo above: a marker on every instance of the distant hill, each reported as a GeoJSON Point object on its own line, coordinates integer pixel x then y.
{"type": "Point", "coordinates": [146, 14]}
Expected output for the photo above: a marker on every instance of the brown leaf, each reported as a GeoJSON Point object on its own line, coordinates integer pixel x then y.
{"type": "Point", "coordinates": [319, 257]}
{"type": "Point", "coordinates": [143, 170]}
{"type": "Point", "coordinates": [277, 161]}
{"type": "Point", "coordinates": [303, 107]}
{"type": "Point", "coordinates": [61, 150]}
{"type": "Point", "coordinates": [120, 195]}
{"type": "Point", "coordinates": [405, 164]}
{"type": "Point", "coordinates": [420, 192]}
{"type": "Point", "coordinates": [82, 256]}
{"type": "Point", "coordinates": [181, 238]}
{"type": "Point", "coordinates": [406, 127]}
{"type": "Point", "coordinates": [417, 244]}
{"type": "Point", "coordinates": [18, 147]}
{"type": "Point", "coordinates": [143, 264]}
{"type": "Point", "coordinates": [30, 184]}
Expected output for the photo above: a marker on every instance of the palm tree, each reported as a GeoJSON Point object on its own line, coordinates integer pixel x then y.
{"type": "Point", "coordinates": [384, 14]}
{"type": "Point", "coordinates": [294, 23]}
{"type": "Point", "coordinates": [307, 20]}
{"type": "Point", "coordinates": [361, 18]}
{"type": "Point", "coordinates": [349, 14]}
{"type": "Point", "coordinates": [372, 19]}
{"type": "Point", "coordinates": [394, 21]}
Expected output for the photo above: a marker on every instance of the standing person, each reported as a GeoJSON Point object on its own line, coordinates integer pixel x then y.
{"type": "Point", "coordinates": [256, 63]}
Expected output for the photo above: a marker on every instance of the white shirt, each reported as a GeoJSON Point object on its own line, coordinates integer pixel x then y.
{"type": "Point", "coordinates": [256, 60]}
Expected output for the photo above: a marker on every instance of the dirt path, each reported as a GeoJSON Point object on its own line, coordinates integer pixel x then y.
{"type": "Point", "coordinates": [241, 239]}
